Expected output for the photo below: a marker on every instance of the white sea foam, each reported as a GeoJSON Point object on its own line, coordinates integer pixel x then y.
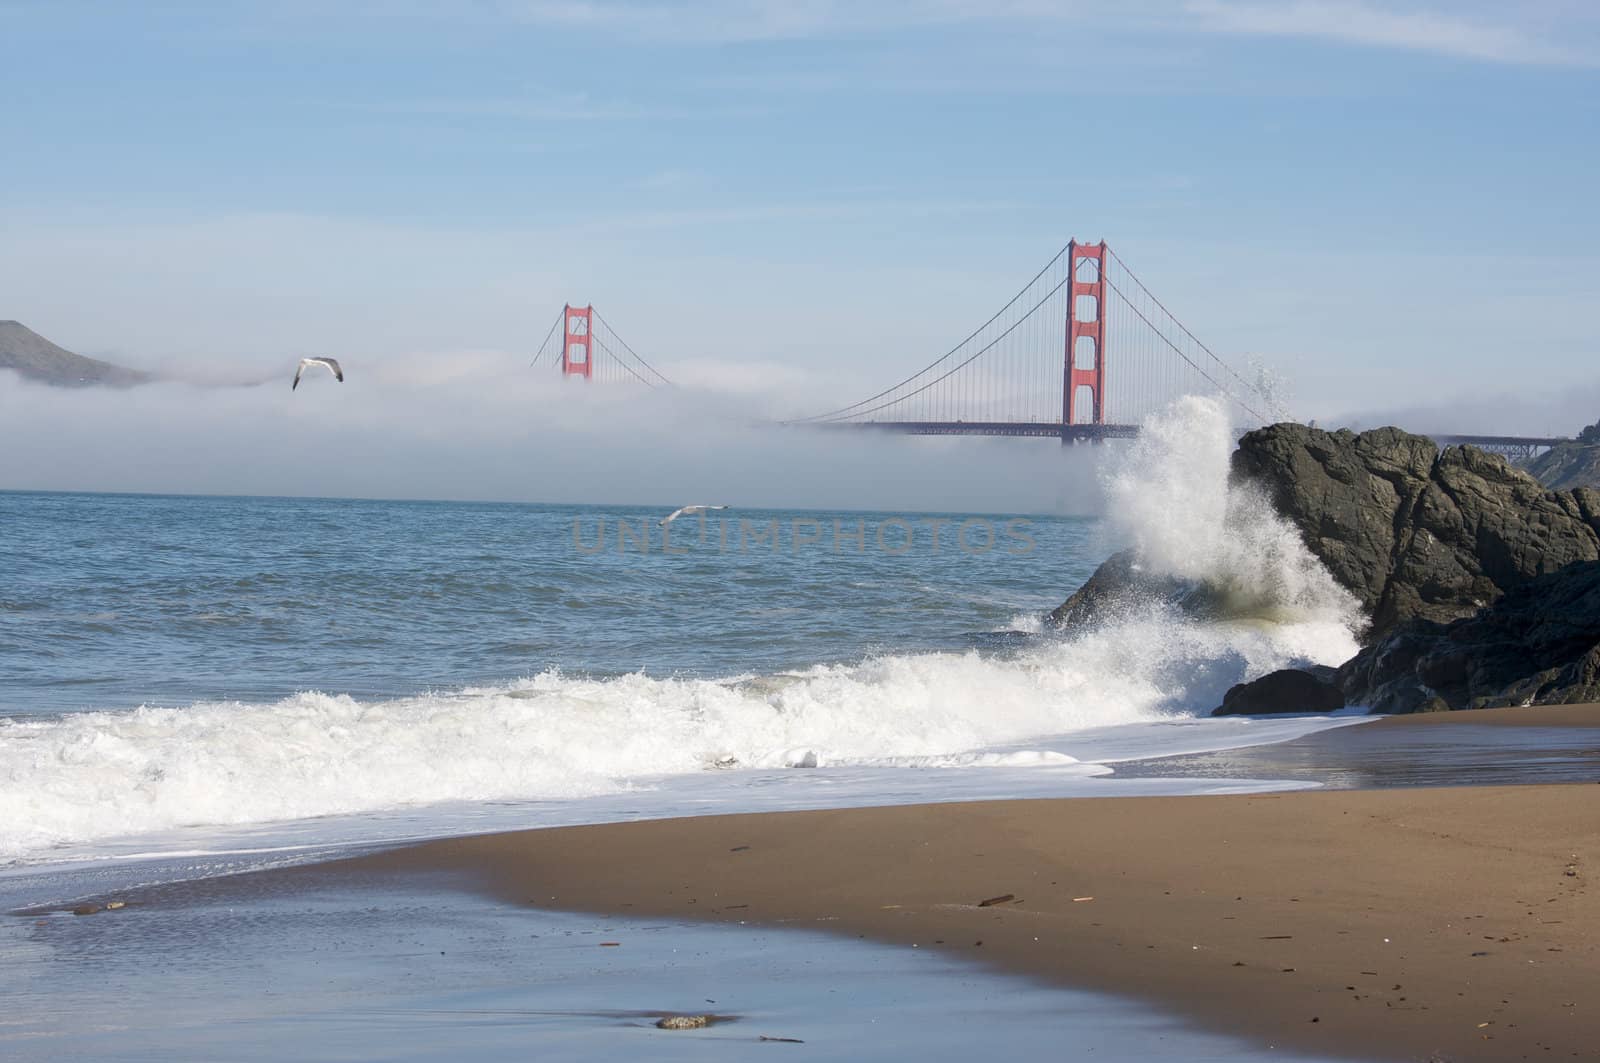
{"type": "Point", "coordinates": [89, 776]}
{"type": "Point", "coordinates": [1170, 498]}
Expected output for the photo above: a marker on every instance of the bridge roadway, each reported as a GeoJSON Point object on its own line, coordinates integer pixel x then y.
{"type": "Point", "coordinates": [1511, 446]}
{"type": "Point", "coordinates": [1069, 433]}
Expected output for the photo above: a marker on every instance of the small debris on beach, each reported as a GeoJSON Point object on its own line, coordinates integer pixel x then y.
{"type": "Point", "coordinates": [86, 909]}
{"type": "Point", "coordinates": [112, 906]}
{"type": "Point", "coordinates": [1080, 900]}
{"type": "Point", "coordinates": [739, 849]}
{"type": "Point", "coordinates": [603, 944]}
{"type": "Point", "coordinates": [683, 1022]}
{"type": "Point", "coordinates": [992, 901]}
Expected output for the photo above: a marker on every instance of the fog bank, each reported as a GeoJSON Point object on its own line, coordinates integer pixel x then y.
{"type": "Point", "coordinates": [481, 425]}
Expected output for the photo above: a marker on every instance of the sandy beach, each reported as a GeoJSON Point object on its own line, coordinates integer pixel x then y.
{"type": "Point", "coordinates": [1521, 716]}
{"type": "Point", "coordinates": [1404, 924]}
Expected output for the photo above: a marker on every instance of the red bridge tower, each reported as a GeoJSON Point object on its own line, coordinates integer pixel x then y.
{"type": "Point", "coordinates": [577, 354]}
{"type": "Point", "coordinates": [1086, 333]}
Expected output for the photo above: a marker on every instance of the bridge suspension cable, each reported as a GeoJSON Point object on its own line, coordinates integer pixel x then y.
{"type": "Point", "coordinates": [1084, 323]}
{"type": "Point", "coordinates": [855, 407]}
{"type": "Point", "coordinates": [548, 336]}
{"type": "Point", "coordinates": [592, 349]}
{"type": "Point", "coordinates": [1133, 308]}
{"type": "Point", "coordinates": [628, 359]}
{"type": "Point", "coordinates": [1082, 350]}
{"type": "Point", "coordinates": [1276, 408]}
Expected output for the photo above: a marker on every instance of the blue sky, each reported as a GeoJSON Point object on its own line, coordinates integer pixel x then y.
{"type": "Point", "coordinates": [1393, 204]}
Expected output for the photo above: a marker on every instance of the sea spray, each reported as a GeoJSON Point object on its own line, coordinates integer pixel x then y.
{"type": "Point", "coordinates": [1169, 496]}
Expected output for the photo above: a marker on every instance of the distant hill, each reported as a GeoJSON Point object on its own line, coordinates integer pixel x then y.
{"type": "Point", "coordinates": [1568, 465]}
{"type": "Point", "coordinates": [36, 358]}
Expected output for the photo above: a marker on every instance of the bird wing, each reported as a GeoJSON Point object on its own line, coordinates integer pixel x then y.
{"type": "Point", "coordinates": [674, 515]}
{"type": "Point", "coordinates": [330, 364]}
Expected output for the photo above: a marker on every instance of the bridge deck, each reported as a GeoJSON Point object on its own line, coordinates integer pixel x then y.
{"type": "Point", "coordinates": [1499, 441]}
{"type": "Point", "coordinates": [1520, 445]}
{"type": "Point", "coordinates": [1036, 429]}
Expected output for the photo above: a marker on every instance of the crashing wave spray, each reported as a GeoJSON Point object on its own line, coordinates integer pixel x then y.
{"type": "Point", "coordinates": [1171, 499]}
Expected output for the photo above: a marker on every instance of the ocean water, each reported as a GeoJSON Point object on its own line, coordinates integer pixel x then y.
{"type": "Point", "coordinates": [221, 675]}
{"type": "Point", "coordinates": [113, 601]}
{"type": "Point", "coordinates": [198, 687]}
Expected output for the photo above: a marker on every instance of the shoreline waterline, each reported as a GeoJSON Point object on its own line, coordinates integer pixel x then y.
{"type": "Point", "coordinates": [1375, 924]}
{"type": "Point", "coordinates": [420, 969]}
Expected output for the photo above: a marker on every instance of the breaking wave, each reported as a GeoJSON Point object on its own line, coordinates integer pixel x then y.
{"type": "Point", "coordinates": [94, 775]}
{"type": "Point", "coordinates": [1170, 499]}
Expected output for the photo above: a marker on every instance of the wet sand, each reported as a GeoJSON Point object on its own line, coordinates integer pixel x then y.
{"type": "Point", "coordinates": [416, 970]}
{"type": "Point", "coordinates": [1528, 716]}
{"type": "Point", "coordinates": [1385, 924]}
{"type": "Point", "coordinates": [1555, 744]}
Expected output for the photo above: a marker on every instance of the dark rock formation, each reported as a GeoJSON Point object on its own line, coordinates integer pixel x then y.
{"type": "Point", "coordinates": [36, 358]}
{"type": "Point", "coordinates": [1411, 531]}
{"type": "Point", "coordinates": [1120, 584]}
{"type": "Point", "coordinates": [1569, 465]}
{"type": "Point", "coordinates": [1539, 644]}
{"type": "Point", "coordinates": [1286, 690]}
{"type": "Point", "coordinates": [1483, 586]}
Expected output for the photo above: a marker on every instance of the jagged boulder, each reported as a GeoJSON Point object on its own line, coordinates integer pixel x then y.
{"type": "Point", "coordinates": [1413, 532]}
{"type": "Point", "coordinates": [1483, 587]}
{"type": "Point", "coordinates": [1286, 690]}
{"type": "Point", "coordinates": [1121, 584]}
{"type": "Point", "coordinates": [1539, 644]}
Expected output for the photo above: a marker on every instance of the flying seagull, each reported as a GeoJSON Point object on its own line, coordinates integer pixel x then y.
{"type": "Point", "coordinates": [330, 364]}
{"type": "Point", "coordinates": [675, 514]}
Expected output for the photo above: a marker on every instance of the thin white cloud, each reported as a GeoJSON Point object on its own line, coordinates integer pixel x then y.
{"type": "Point", "coordinates": [727, 21]}
{"type": "Point", "coordinates": [1532, 32]}
{"type": "Point", "coordinates": [821, 210]}
{"type": "Point", "coordinates": [1385, 27]}
{"type": "Point", "coordinates": [547, 107]}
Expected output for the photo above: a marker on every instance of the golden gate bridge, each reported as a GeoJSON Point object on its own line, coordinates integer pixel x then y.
{"type": "Point", "coordinates": [1084, 351]}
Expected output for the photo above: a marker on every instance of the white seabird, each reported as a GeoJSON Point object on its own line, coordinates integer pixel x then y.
{"type": "Point", "coordinates": [330, 364]}
{"type": "Point", "coordinates": [675, 514]}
